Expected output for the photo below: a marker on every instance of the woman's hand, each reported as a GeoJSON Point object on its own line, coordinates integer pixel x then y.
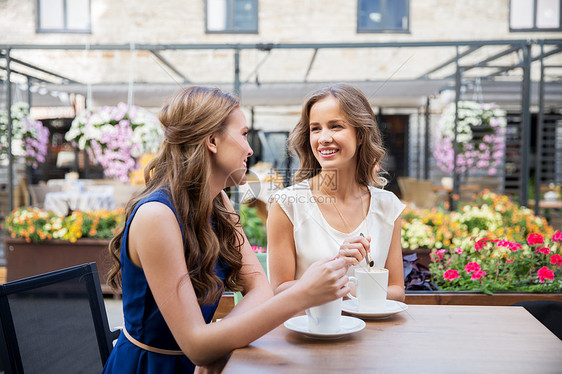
{"type": "Point", "coordinates": [355, 249]}
{"type": "Point", "coordinates": [324, 281]}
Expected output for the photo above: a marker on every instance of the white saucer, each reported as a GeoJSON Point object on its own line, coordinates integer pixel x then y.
{"type": "Point", "coordinates": [392, 307]}
{"type": "Point", "coordinates": [349, 325]}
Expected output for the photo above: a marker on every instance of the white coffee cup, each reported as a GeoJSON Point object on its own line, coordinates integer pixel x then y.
{"type": "Point", "coordinates": [325, 318]}
{"type": "Point", "coordinates": [370, 288]}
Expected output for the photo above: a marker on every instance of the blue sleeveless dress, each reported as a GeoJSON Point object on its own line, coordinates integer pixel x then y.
{"type": "Point", "coordinates": [143, 319]}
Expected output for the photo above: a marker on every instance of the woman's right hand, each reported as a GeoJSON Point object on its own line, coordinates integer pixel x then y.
{"type": "Point", "coordinates": [355, 249]}
{"type": "Point", "coordinates": [324, 281]}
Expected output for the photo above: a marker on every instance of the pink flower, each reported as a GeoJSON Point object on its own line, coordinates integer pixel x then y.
{"type": "Point", "coordinates": [438, 255]}
{"type": "Point", "coordinates": [451, 274]}
{"type": "Point", "coordinates": [459, 250]}
{"type": "Point", "coordinates": [472, 266]}
{"type": "Point", "coordinates": [544, 250]}
{"type": "Point", "coordinates": [478, 274]}
{"type": "Point", "coordinates": [534, 238]}
{"type": "Point", "coordinates": [545, 273]}
{"type": "Point", "coordinates": [556, 260]}
{"type": "Point", "coordinates": [557, 237]}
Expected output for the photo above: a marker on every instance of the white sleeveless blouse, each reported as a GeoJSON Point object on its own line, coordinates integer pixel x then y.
{"type": "Point", "coordinates": [315, 239]}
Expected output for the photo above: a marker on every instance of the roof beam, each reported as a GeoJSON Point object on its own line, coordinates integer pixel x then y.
{"type": "Point", "coordinates": [310, 65]}
{"type": "Point", "coordinates": [450, 61]}
{"type": "Point", "coordinates": [29, 76]}
{"type": "Point", "coordinates": [36, 68]}
{"type": "Point", "coordinates": [170, 66]}
{"type": "Point", "coordinates": [508, 68]}
{"type": "Point", "coordinates": [262, 46]}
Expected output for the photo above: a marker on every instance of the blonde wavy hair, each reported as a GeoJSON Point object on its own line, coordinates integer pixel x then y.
{"type": "Point", "coordinates": [182, 167]}
{"type": "Point", "coordinates": [359, 114]}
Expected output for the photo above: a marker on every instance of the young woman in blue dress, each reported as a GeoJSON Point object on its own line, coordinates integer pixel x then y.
{"type": "Point", "coordinates": [337, 206]}
{"type": "Point", "coordinates": [182, 244]}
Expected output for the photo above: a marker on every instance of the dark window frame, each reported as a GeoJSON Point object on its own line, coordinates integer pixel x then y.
{"type": "Point", "coordinates": [230, 5]}
{"type": "Point", "coordinates": [65, 30]}
{"type": "Point", "coordinates": [535, 28]}
{"type": "Point", "coordinates": [362, 30]}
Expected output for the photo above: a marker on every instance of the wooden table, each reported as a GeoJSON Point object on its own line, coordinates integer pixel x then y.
{"type": "Point", "coordinates": [422, 339]}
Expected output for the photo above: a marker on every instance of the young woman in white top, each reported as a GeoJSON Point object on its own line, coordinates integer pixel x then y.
{"type": "Point", "coordinates": [337, 206]}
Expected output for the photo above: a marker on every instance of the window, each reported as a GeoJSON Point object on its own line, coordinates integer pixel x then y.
{"type": "Point", "coordinates": [534, 15]}
{"type": "Point", "coordinates": [71, 16]}
{"type": "Point", "coordinates": [383, 15]}
{"type": "Point", "coordinates": [232, 16]}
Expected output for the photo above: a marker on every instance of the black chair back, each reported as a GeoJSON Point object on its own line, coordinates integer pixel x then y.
{"type": "Point", "coordinates": [55, 323]}
{"type": "Point", "coordinates": [549, 313]}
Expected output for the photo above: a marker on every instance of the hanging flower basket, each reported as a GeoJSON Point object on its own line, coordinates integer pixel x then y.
{"type": "Point", "coordinates": [116, 137]}
{"type": "Point", "coordinates": [480, 138]}
{"type": "Point", "coordinates": [29, 137]}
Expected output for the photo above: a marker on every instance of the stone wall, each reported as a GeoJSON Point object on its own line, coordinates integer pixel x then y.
{"type": "Point", "coordinates": [290, 21]}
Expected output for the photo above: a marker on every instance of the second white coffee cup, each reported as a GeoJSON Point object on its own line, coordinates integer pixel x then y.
{"type": "Point", "coordinates": [370, 288]}
{"type": "Point", "coordinates": [325, 318]}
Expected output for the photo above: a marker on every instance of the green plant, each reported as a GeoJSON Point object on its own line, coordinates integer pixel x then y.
{"type": "Point", "coordinates": [253, 226]}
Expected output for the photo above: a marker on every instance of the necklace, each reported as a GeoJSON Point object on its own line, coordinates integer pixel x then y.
{"type": "Point", "coordinates": [341, 215]}
{"type": "Point", "coordinates": [368, 259]}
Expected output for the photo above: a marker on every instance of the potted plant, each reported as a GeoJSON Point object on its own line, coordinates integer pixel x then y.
{"type": "Point", "coordinates": [480, 137]}
{"type": "Point", "coordinates": [505, 245]}
{"type": "Point", "coordinates": [41, 241]}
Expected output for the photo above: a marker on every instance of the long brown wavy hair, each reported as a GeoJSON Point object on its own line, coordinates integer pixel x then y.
{"type": "Point", "coordinates": [359, 114]}
{"type": "Point", "coordinates": [182, 166]}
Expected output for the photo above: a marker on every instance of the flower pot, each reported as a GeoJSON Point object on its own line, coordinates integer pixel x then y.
{"type": "Point", "coordinates": [476, 298]}
{"type": "Point", "coordinates": [25, 259]}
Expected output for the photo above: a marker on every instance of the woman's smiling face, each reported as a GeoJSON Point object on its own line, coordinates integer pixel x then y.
{"type": "Point", "coordinates": [332, 138]}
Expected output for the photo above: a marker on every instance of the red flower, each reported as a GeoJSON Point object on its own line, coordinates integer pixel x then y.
{"type": "Point", "coordinates": [258, 249]}
{"type": "Point", "coordinates": [557, 237]}
{"type": "Point", "coordinates": [471, 266]}
{"type": "Point", "coordinates": [544, 250]}
{"type": "Point", "coordinates": [545, 273]}
{"type": "Point", "coordinates": [478, 274]}
{"type": "Point", "coordinates": [505, 243]}
{"type": "Point", "coordinates": [556, 260]}
{"type": "Point", "coordinates": [451, 274]}
{"type": "Point", "coordinates": [534, 238]}
{"type": "Point", "coordinates": [481, 243]}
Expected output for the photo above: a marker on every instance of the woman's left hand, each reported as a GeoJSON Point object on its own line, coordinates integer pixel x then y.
{"type": "Point", "coordinates": [355, 249]}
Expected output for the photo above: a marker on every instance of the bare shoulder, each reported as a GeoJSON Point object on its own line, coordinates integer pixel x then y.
{"type": "Point", "coordinates": [154, 216]}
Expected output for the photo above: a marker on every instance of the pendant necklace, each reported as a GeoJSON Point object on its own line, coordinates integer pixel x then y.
{"type": "Point", "coordinates": [368, 259]}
